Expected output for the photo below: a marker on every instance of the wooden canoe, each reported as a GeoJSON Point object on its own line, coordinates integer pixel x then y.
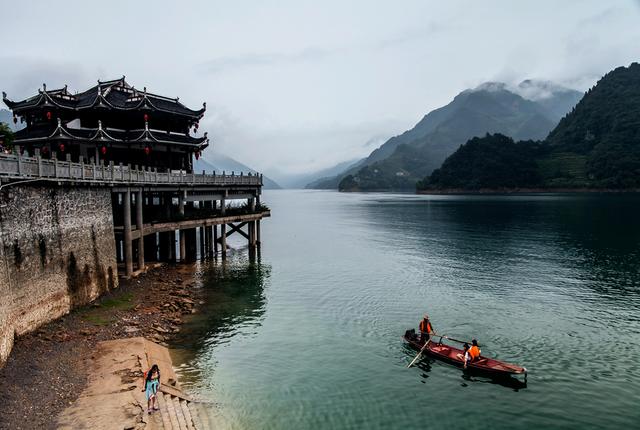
{"type": "Point", "coordinates": [452, 355]}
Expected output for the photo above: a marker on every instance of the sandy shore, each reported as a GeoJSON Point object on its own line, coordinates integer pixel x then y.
{"type": "Point", "coordinates": [50, 368]}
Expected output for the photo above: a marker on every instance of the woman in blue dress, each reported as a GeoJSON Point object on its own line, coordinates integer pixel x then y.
{"type": "Point", "coordinates": [151, 386]}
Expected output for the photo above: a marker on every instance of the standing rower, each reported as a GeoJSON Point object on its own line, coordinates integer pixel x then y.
{"type": "Point", "coordinates": [425, 329]}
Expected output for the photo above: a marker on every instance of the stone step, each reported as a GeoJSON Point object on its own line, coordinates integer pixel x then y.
{"type": "Point", "coordinates": [195, 416]}
{"type": "Point", "coordinates": [164, 412]}
{"type": "Point", "coordinates": [181, 420]}
{"type": "Point", "coordinates": [203, 414]}
{"type": "Point", "coordinates": [173, 418]}
{"type": "Point", "coordinates": [187, 414]}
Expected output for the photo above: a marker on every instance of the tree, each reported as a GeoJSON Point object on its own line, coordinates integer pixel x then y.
{"type": "Point", "coordinates": [6, 136]}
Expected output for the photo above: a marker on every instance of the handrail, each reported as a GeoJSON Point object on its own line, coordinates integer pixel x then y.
{"type": "Point", "coordinates": [15, 166]}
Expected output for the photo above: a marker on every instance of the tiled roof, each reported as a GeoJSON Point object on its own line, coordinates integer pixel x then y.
{"type": "Point", "coordinates": [116, 94]}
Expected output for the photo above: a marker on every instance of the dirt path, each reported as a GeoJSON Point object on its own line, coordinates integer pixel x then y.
{"type": "Point", "coordinates": [48, 369]}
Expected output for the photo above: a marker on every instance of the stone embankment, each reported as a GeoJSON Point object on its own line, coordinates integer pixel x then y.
{"type": "Point", "coordinates": [50, 369]}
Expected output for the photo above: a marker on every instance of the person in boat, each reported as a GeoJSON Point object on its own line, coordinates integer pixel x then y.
{"type": "Point", "coordinates": [465, 357]}
{"type": "Point", "coordinates": [425, 329]}
{"type": "Point", "coordinates": [474, 351]}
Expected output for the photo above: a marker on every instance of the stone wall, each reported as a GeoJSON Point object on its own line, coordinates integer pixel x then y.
{"type": "Point", "coordinates": [57, 252]}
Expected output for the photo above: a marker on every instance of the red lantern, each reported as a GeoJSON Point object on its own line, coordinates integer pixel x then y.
{"type": "Point", "coordinates": [49, 115]}
{"type": "Point", "coordinates": [146, 117]}
{"type": "Point", "coordinates": [103, 150]}
{"type": "Point", "coordinates": [61, 146]}
{"type": "Point", "coordinates": [197, 155]}
{"type": "Point", "coordinates": [45, 150]}
{"type": "Point", "coordinates": [147, 150]}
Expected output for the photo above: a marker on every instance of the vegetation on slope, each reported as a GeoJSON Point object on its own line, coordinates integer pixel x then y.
{"type": "Point", "coordinates": [597, 145]}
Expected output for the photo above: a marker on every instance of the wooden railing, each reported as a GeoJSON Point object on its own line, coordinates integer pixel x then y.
{"type": "Point", "coordinates": [17, 167]}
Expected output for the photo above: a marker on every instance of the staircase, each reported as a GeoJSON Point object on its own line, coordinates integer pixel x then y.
{"type": "Point", "coordinates": [178, 412]}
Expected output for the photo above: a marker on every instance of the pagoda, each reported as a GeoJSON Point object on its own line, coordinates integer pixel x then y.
{"type": "Point", "coordinates": [111, 122]}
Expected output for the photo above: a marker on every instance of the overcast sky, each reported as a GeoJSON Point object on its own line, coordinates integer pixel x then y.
{"type": "Point", "coordinates": [294, 86]}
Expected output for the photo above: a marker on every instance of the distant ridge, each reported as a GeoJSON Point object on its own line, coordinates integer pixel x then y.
{"type": "Point", "coordinates": [492, 107]}
{"type": "Point", "coordinates": [227, 164]}
{"type": "Point", "coordinates": [595, 146]}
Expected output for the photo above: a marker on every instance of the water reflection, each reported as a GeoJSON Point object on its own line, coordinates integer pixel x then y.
{"type": "Point", "coordinates": [234, 303]}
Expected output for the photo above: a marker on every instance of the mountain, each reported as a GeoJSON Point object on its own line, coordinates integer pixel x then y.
{"type": "Point", "coordinates": [492, 107]}
{"type": "Point", "coordinates": [597, 145]}
{"type": "Point", "coordinates": [7, 118]}
{"type": "Point", "coordinates": [300, 180]}
{"type": "Point", "coordinates": [331, 178]}
{"type": "Point", "coordinates": [223, 163]}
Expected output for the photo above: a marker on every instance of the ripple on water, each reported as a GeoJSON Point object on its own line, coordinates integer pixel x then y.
{"type": "Point", "coordinates": [548, 282]}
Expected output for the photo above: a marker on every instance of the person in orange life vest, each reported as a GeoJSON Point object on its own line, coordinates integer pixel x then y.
{"type": "Point", "coordinates": [474, 351]}
{"type": "Point", "coordinates": [425, 329]}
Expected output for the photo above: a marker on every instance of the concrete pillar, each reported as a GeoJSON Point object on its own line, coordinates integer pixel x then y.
{"type": "Point", "coordinates": [215, 240]}
{"type": "Point", "coordinates": [172, 246]}
{"type": "Point", "coordinates": [183, 243]}
{"type": "Point", "coordinates": [258, 240]}
{"type": "Point", "coordinates": [252, 234]}
{"type": "Point", "coordinates": [202, 242]}
{"type": "Point", "coordinates": [223, 240]}
{"type": "Point", "coordinates": [140, 228]}
{"type": "Point", "coordinates": [209, 237]}
{"type": "Point", "coordinates": [151, 247]}
{"type": "Point", "coordinates": [128, 248]}
{"type": "Point", "coordinates": [164, 243]}
{"type": "Point", "coordinates": [191, 244]}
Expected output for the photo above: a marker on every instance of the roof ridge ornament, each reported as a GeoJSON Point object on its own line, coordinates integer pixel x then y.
{"type": "Point", "coordinates": [146, 126]}
{"type": "Point", "coordinates": [44, 87]}
{"type": "Point", "coordinates": [99, 125]}
{"type": "Point", "coordinates": [4, 95]}
{"type": "Point", "coordinates": [59, 123]}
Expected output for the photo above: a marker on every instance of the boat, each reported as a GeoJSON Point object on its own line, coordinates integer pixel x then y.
{"type": "Point", "coordinates": [452, 355]}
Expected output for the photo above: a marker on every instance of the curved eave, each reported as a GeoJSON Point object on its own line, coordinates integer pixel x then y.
{"type": "Point", "coordinates": [24, 104]}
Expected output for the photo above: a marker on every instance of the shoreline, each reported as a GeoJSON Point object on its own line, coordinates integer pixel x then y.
{"type": "Point", "coordinates": [489, 191]}
{"type": "Point", "coordinates": [49, 368]}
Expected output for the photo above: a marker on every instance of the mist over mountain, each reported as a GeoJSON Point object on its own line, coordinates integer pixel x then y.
{"type": "Point", "coordinates": [595, 146]}
{"type": "Point", "coordinates": [301, 180]}
{"type": "Point", "coordinates": [528, 111]}
{"type": "Point", "coordinates": [218, 162]}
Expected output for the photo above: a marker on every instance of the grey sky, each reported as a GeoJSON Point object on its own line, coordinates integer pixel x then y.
{"type": "Point", "coordinates": [293, 86]}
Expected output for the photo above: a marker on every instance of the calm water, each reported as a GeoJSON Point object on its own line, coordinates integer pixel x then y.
{"type": "Point", "coordinates": [309, 336]}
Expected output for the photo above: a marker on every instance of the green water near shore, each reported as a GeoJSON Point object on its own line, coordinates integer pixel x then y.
{"type": "Point", "coordinates": [308, 337]}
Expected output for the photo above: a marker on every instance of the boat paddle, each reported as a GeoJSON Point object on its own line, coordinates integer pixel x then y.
{"type": "Point", "coordinates": [419, 353]}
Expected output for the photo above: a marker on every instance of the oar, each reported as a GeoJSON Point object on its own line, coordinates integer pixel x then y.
{"type": "Point", "coordinates": [419, 353]}
{"type": "Point", "coordinates": [454, 340]}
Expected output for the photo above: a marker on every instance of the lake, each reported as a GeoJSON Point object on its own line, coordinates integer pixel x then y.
{"type": "Point", "coordinates": [309, 335]}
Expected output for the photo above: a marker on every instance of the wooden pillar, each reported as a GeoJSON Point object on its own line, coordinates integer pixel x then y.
{"type": "Point", "coordinates": [128, 248]}
{"type": "Point", "coordinates": [183, 243]}
{"type": "Point", "coordinates": [252, 204]}
{"type": "Point", "coordinates": [223, 205]}
{"type": "Point", "coordinates": [140, 228]}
